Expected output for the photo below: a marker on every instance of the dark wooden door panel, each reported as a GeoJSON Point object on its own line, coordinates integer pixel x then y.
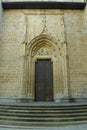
{"type": "Point", "coordinates": [39, 82]}
{"type": "Point", "coordinates": [49, 81]}
{"type": "Point", "coordinates": [44, 80]}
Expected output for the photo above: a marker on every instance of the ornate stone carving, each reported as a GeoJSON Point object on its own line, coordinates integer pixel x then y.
{"type": "Point", "coordinates": [43, 51]}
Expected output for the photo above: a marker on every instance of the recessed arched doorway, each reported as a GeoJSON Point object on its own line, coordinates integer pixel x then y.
{"type": "Point", "coordinates": [44, 50]}
{"type": "Point", "coordinates": [44, 80]}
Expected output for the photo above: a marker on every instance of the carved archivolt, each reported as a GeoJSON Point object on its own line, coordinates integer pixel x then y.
{"type": "Point", "coordinates": [41, 41]}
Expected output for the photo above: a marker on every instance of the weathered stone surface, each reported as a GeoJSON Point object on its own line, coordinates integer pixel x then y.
{"type": "Point", "coordinates": [66, 33]}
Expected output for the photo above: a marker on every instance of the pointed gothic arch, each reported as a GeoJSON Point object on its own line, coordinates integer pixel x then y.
{"type": "Point", "coordinates": [40, 41]}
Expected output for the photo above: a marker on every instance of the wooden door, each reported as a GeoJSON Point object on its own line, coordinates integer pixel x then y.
{"type": "Point", "coordinates": [44, 80]}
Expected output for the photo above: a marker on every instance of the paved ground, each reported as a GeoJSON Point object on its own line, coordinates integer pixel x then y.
{"type": "Point", "coordinates": [72, 127]}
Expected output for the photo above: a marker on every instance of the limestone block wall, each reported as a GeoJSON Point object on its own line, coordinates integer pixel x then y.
{"type": "Point", "coordinates": [1, 12]}
{"type": "Point", "coordinates": [21, 26]}
{"type": "Point", "coordinates": [76, 36]}
{"type": "Point", "coordinates": [11, 55]}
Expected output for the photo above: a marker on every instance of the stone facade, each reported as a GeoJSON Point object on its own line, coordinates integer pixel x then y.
{"type": "Point", "coordinates": [28, 35]}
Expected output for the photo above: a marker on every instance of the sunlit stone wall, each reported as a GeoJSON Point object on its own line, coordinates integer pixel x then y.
{"type": "Point", "coordinates": [12, 47]}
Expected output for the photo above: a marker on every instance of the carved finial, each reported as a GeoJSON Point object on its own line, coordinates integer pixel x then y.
{"type": "Point", "coordinates": [44, 25]}
{"type": "Point", "coordinates": [26, 30]}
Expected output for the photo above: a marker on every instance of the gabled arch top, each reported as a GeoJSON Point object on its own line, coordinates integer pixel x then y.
{"type": "Point", "coordinates": [41, 39]}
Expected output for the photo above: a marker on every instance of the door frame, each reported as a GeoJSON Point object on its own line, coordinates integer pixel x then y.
{"type": "Point", "coordinates": [36, 58]}
{"type": "Point", "coordinates": [46, 58]}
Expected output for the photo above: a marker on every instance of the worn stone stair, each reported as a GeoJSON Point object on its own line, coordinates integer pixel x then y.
{"type": "Point", "coordinates": [43, 114]}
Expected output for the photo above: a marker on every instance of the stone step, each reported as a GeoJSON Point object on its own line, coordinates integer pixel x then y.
{"type": "Point", "coordinates": [42, 112]}
{"type": "Point", "coordinates": [55, 106]}
{"type": "Point", "coordinates": [44, 104]}
{"type": "Point", "coordinates": [44, 115]}
{"type": "Point", "coordinates": [40, 119]}
{"type": "Point", "coordinates": [46, 112]}
{"type": "Point", "coordinates": [52, 124]}
{"type": "Point", "coordinates": [42, 108]}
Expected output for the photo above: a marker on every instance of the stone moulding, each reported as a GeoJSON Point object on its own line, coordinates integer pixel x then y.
{"type": "Point", "coordinates": [44, 5]}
